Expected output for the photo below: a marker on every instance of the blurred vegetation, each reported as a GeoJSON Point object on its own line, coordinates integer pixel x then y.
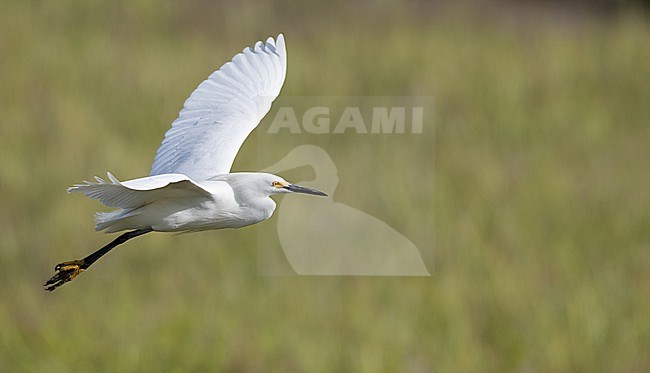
{"type": "Point", "coordinates": [532, 189]}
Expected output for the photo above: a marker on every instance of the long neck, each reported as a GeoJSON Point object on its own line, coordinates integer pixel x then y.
{"type": "Point", "coordinates": [258, 204]}
{"type": "Point", "coordinates": [262, 207]}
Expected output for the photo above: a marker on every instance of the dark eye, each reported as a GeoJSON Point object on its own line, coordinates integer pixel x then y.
{"type": "Point", "coordinates": [276, 184]}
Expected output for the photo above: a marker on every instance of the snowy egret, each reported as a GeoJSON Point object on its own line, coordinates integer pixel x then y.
{"type": "Point", "coordinates": [190, 187]}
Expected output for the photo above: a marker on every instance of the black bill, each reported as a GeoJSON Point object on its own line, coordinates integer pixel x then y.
{"type": "Point", "coordinates": [301, 189]}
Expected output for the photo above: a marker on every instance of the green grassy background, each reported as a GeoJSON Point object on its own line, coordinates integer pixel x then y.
{"type": "Point", "coordinates": [532, 181]}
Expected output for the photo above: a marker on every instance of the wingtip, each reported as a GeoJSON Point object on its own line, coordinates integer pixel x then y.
{"type": "Point", "coordinates": [281, 50]}
{"type": "Point", "coordinates": [276, 42]}
{"type": "Point", "coordinates": [279, 42]}
{"type": "Point", "coordinates": [112, 178]}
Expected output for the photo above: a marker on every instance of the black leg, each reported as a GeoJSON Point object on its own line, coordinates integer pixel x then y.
{"type": "Point", "coordinates": [92, 258]}
{"type": "Point", "coordinates": [66, 271]}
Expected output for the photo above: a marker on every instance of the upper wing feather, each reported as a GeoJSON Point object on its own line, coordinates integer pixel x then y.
{"type": "Point", "coordinates": [222, 112]}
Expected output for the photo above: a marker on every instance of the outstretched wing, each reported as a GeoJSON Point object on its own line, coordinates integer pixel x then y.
{"type": "Point", "coordinates": [222, 112]}
{"type": "Point", "coordinates": [139, 192]}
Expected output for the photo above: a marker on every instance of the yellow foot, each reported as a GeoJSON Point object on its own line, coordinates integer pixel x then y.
{"type": "Point", "coordinates": [65, 272]}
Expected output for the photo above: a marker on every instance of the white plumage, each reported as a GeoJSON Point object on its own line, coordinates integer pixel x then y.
{"type": "Point", "coordinates": [222, 112]}
{"type": "Point", "coordinates": [190, 187]}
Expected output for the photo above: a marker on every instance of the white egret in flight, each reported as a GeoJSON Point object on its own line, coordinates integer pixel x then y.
{"type": "Point", "coordinates": [190, 187]}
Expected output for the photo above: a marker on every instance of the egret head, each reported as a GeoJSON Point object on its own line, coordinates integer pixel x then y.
{"type": "Point", "coordinates": [277, 185]}
{"type": "Point", "coordinates": [262, 184]}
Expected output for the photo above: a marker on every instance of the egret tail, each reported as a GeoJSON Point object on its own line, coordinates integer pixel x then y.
{"type": "Point", "coordinates": [131, 195]}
